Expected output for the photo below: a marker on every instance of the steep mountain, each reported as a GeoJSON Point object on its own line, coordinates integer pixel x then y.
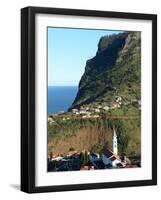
{"type": "Point", "coordinates": [115, 70]}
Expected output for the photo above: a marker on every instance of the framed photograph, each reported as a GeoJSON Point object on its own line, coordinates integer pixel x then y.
{"type": "Point", "coordinates": [88, 99]}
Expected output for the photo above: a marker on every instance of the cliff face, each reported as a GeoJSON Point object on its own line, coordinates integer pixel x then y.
{"type": "Point", "coordinates": [114, 71]}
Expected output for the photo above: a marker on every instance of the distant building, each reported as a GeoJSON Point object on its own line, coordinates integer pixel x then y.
{"type": "Point", "coordinates": [87, 115]}
{"type": "Point", "coordinates": [134, 101]}
{"type": "Point", "coordinates": [99, 106]}
{"type": "Point", "coordinates": [114, 106]}
{"type": "Point", "coordinates": [74, 110]}
{"type": "Point", "coordinates": [50, 119]}
{"type": "Point", "coordinates": [95, 116]}
{"type": "Point", "coordinates": [82, 112]}
{"type": "Point", "coordinates": [118, 99]}
{"type": "Point", "coordinates": [139, 102]}
{"type": "Point", "coordinates": [110, 157]}
{"type": "Point", "coordinates": [81, 108]}
{"type": "Point", "coordinates": [97, 110]}
{"type": "Point", "coordinates": [86, 108]}
{"type": "Point", "coordinates": [106, 108]}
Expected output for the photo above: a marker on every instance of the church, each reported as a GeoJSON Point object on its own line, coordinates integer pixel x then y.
{"type": "Point", "coordinates": [111, 158]}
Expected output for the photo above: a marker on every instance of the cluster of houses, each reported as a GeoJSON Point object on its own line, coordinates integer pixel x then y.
{"type": "Point", "coordinates": [93, 111]}
{"type": "Point", "coordinates": [106, 160]}
{"type": "Point", "coordinates": [86, 111]}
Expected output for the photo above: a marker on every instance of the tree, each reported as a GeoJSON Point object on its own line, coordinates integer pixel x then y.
{"type": "Point", "coordinates": [84, 158]}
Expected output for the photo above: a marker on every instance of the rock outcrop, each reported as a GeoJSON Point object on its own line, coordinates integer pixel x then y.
{"type": "Point", "coordinates": [115, 70]}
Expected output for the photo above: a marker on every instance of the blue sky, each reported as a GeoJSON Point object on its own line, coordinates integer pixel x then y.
{"type": "Point", "coordinates": [68, 51]}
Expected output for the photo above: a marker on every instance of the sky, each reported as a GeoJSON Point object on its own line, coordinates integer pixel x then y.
{"type": "Point", "coordinates": [68, 51]}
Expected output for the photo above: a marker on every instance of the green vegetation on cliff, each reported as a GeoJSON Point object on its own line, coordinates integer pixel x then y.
{"type": "Point", "coordinates": [114, 71]}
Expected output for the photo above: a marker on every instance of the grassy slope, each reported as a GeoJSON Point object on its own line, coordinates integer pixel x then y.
{"type": "Point", "coordinates": [94, 134]}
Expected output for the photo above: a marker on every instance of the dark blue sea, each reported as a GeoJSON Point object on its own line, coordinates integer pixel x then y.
{"type": "Point", "coordinates": [60, 98]}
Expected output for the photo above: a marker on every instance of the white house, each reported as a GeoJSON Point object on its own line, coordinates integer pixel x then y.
{"type": "Point", "coordinates": [118, 99]}
{"type": "Point", "coordinates": [97, 110]}
{"type": "Point", "coordinates": [85, 116]}
{"type": "Point", "coordinates": [74, 110]}
{"type": "Point", "coordinates": [82, 111]}
{"type": "Point", "coordinates": [58, 158]}
{"type": "Point", "coordinates": [106, 108]}
{"type": "Point", "coordinates": [109, 158]}
{"type": "Point", "coordinates": [50, 119]}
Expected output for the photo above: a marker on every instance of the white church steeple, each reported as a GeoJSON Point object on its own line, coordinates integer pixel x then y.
{"type": "Point", "coordinates": [114, 142]}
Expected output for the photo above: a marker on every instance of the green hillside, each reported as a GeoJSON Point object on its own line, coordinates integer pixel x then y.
{"type": "Point", "coordinates": [114, 71]}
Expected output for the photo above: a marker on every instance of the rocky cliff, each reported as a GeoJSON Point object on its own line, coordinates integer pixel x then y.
{"type": "Point", "coordinates": [115, 70]}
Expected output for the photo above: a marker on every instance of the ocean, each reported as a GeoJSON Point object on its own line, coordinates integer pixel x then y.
{"type": "Point", "coordinates": [60, 98]}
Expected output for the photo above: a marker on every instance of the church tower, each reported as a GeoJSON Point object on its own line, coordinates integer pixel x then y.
{"type": "Point", "coordinates": [114, 142]}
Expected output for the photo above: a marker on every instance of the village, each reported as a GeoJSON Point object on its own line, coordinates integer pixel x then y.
{"type": "Point", "coordinates": [85, 160]}
{"type": "Point", "coordinates": [94, 111]}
